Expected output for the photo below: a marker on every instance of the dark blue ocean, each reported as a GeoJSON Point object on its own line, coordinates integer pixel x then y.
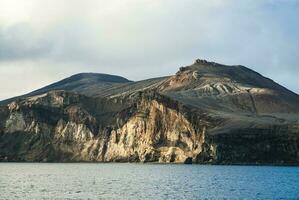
{"type": "Point", "coordinates": [146, 181]}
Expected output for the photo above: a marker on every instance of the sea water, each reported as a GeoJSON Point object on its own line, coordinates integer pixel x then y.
{"type": "Point", "coordinates": [146, 181]}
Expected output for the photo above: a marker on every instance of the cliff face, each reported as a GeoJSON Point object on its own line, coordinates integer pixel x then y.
{"type": "Point", "coordinates": [206, 113]}
{"type": "Point", "coordinates": [55, 127]}
{"type": "Point", "coordinates": [272, 145]}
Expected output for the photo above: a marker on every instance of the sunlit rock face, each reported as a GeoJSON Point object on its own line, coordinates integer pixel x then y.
{"type": "Point", "coordinates": [205, 113]}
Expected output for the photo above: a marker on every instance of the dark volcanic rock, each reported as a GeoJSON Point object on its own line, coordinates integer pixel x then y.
{"type": "Point", "coordinates": [206, 113]}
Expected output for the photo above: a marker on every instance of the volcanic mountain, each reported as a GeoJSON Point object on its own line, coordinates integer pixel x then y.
{"type": "Point", "coordinates": [205, 113]}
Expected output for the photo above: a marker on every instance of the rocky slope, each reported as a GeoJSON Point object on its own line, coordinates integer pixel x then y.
{"type": "Point", "coordinates": [206, 113]}
{"type": "Point", "coordinates": [85, 83]}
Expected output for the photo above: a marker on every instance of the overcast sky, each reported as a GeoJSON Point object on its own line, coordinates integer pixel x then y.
{"type": "Point", "coordinates": [42, 41]}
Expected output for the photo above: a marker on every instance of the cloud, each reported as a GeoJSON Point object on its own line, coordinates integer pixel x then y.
{"type": "Point", "coordinates": [145, 38]}
{"type": "Point", "coordinates": [19, 41]}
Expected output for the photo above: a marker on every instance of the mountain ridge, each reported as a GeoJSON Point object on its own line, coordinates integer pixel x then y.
{"type": "Point", "coordinates": [205, 113]}
{"type": "Point", "coordinates": [108, 78]}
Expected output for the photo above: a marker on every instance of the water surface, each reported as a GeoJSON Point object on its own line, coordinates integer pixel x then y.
{"type": "Point", "coordinates": [146, 181]}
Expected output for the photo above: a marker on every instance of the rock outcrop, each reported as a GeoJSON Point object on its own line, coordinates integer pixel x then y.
{"type": "Point", "coordinates": [206, 113]}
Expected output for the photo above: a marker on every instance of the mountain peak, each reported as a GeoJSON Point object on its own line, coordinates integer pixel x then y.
{"type": "Point", "coordinates": [205, 62]}
{"type": "Point", "coordinates": [98, 77]}
{"type": "Point", "coordinates": [204, 77]}
{"type": "Point", "coordinates": [201, 64]}
{"type": "Point", "coordinates": [84, 83]}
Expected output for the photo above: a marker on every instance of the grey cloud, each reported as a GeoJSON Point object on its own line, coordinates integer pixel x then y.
{"type": "Point", "coordinates": [19, 41]}
{"type": "Point", "coordinates": [151, 39]}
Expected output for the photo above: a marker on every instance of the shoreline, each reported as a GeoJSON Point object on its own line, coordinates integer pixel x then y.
{"type": "Point", "coordinates": [159, 163]}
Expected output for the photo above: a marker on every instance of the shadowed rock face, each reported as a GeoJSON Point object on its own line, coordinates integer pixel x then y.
{"type": "Point", "coordinates": [206, 113]}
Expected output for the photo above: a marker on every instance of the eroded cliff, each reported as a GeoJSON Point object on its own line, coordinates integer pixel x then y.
{"type": "Point", "coordinates": [54, 127]}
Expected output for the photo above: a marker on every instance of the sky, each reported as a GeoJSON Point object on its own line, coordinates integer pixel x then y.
{"type": "Point", "coordinates": [43, 41]}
